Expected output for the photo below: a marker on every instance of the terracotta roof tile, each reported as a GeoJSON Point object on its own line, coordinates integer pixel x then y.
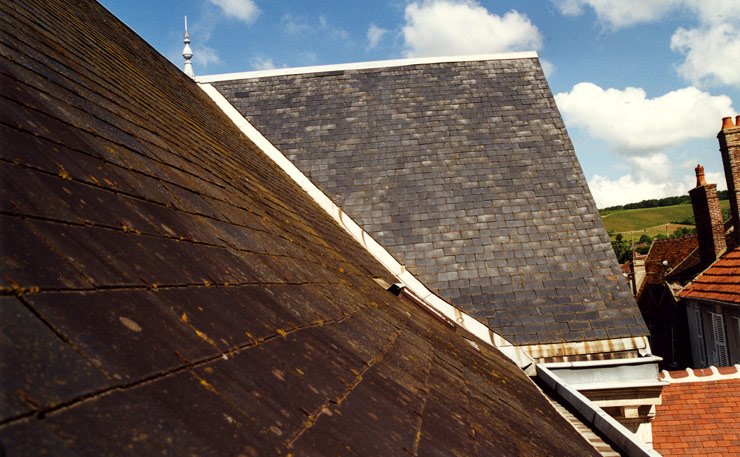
{"type": "Point", "coordinates": [719, 282]}
{"type": "Point", "coordinates": [698, 418]}
{"type": "Point", "coordinates": [673, 250]}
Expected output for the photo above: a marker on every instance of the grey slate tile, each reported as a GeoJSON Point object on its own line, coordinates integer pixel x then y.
{"type": "Point", "coordinates": [487, 159]}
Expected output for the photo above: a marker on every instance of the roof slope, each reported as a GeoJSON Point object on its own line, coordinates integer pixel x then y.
{"type": "Point", "coordinates": [699, 418]}
{"type": "Point", "coordinates": [719, 282]}
{"type": "Point", "coordinates": [167, 290]}
{"type": "Point", "coordinates": [465, 173]}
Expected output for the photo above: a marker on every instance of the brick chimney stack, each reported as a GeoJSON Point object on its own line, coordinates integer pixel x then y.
{"type": "Point", "coordinates": [708, 215]}
{"type": "Point", "coordinates": [729, 146]}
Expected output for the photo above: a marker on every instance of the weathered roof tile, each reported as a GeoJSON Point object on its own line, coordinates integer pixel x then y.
{"type": "Point", "coordinates": [166, 289]}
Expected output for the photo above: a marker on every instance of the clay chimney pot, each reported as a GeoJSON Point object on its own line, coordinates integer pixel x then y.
{"type": "Point", "coordinates": [700, 180]}
{"type": "Point", "coordinates": [727, 123]}
{"type": "Point", "coordinates": [737, 121]}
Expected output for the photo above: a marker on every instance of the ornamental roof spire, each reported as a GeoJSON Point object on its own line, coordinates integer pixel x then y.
{"type": "Point", "coordinates": [187, 53]}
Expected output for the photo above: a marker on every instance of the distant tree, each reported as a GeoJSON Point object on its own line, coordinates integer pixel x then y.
{"type": "Point", "coordinates": [643, 249]}
{"type": "Point", "coordinates": [645, 238]}
{"type": "Point", "coordinates": [686, 221]}
{"type": "Point", "coordinates": [654, 203]}
{"type": "Point", "coordinates": [681, 231]}
{"type": "Point", "coordinates": [622, 249]}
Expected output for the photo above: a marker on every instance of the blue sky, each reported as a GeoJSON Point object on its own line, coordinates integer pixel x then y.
{"type": "Point", "coordinates": [642, 84]}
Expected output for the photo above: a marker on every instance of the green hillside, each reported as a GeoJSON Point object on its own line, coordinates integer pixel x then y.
{"type": "Point", "coordinates": [651, 220]}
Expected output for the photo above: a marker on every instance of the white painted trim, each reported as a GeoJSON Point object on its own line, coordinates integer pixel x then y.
{"type": "Point", "coordinates": [626, 441]}
{"type": "Point", "coordinates": [365, 66]}
{"type": "Point", "coordinates": [615, 385]}
{"type": "Point", "coordinates": [602, 363]}
{"type": "Point", "coordinates": [692, 377]}
{"type": "Point", "coordinates": [465, 321]}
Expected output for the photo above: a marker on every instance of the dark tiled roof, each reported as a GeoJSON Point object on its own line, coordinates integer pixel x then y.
{"type": "Point", "coordinates": [167, 290]}
{"type": "Point", "coordinates": [719, 282]}
{"type": "Point", "coordinates": [465, 173]}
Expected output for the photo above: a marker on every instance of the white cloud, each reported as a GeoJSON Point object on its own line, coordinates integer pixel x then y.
{"type": "Point", "coordinates": [449, 27]}
{"type": "Point", "coordinates": [547, 67]}
{"type": "Point", "coordinates": [374, 34]}
{"type": "Point", "coordinates": [714, 11]}
{"type": "Point", "coordinates": [650, 176]}
{"type": "Point", "coordinates": [627, 189]}
{"type": "Point", "coordinates": [203, 56]}
{"type": "Point", "coordinates": [712, 49]}
{"type": "Point", "coordinates": [244, 10]}
{"type": "Point", "coordinates": [633, 124]}
{"type": "Point", "coordinates": [633, 188]}
{"type": "Point", "coordinates": [294, 25]}
{"type": "Point", "coordinates": [263, 64]}
{"type": "Point", "coordinates": [334, 32]}
{"type": "Point", "coordinates": [712, 54]}
{"type": "Point", "coordinates": [621, 13]}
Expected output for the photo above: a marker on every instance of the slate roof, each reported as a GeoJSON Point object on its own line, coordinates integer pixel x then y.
{"type": "Point", "coordinates": [720, 282]}
{"type": "Point", "coordinates": [464, 171]}
{"type": "Point", "coordinates": [699, 418]}
{"type": "Point", "coordinates": [167, 290]}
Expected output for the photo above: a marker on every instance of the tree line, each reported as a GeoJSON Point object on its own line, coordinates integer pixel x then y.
{"type": "Point", "coordinates": [658, 202]}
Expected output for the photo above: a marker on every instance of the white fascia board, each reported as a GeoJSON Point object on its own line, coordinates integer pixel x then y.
{"type": "Point", "coordinates": [619, 385]}
{"type": "Point", "coordinates": [364, 66]}
{"type": "Point", "coordinates": [465, 321]}
{"type": "Point", "coordinates": [602, 363]}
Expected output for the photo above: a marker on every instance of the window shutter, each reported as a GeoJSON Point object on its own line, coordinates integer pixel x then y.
{"type": "Point", "coordinates": [720, 341]}
{"type": "Point", "coordinates": [700, 337]}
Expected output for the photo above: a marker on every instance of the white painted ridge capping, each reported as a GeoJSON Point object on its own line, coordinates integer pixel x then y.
{"type": "Point", "coordinates": [366, 66]}
{"type": "Point", "coordinates": [482, 332]}
{"type": "Point", "coordinates": [692, 377]}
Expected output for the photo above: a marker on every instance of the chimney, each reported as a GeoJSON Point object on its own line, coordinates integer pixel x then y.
{"type": "Point", "coordinates": [729, 146]}
{"type": "Point", "coordinates": [708, 215]}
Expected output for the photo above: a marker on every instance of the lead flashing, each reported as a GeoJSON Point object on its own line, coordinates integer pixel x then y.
{"type": "Point", "coordinates": [365, 66]}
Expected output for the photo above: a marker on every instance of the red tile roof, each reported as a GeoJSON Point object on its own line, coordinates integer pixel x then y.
{"type": "Point", "coordinates": [699, 418]}
{"type": "Point", "coordinates": [719, 282]}
{"type": "Point", "coordinates": [673, 250]}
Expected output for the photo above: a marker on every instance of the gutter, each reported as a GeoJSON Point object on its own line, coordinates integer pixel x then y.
{"type": "Point", "coordinates": [602, 363]}
{"type": "Point", "coordinates": [626, 441]}
{"type": "Point", "coordinates": [420, 293]}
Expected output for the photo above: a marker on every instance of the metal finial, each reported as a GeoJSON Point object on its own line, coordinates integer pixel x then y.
{"type": "Point", "coordinates": [187, 53]}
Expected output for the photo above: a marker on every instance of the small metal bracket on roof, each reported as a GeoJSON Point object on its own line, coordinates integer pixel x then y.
{"type": "Point", "coordinates": [187, 53]}
{"type": "Point", "coordinates": [396, 289]}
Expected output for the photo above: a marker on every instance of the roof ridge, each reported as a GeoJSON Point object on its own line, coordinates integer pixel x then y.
{"type": "Point", "coordinates": [366, 65]}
